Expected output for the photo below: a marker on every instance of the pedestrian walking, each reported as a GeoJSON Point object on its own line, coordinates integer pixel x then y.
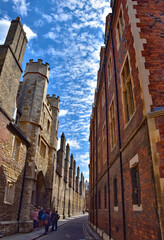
{"type": "Point", "coordinates": [53, 216]}
{"type": "Point", "coordinates": [56, 218]}
{"type": "Point", "coordinates": [40, 216]}
{"type": "Point", "coordinates": [46, 221]}
{"type": "Point", "coordinates": [35, 217]}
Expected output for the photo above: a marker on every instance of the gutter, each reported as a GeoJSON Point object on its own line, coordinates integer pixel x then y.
{"type": "Point", "coordinates": [96, 171]}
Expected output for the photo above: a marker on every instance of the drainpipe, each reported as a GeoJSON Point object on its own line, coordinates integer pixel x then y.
{"type": "Point", "coordinates": [93, 182]}
{"type": "Point", "coordinates": [106, 108]}
{"type": "Point", "coordinates": [119, 140]}
{"type": "Point", "coordinates": [96, 170]}
{"type": "Point", "coordinates": [22, 190]}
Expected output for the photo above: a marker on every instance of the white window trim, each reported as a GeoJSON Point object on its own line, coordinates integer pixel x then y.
{"type": "Point", "coordinates": [5, 196]}
{"type": "Point", "coordinates": [132, 163]}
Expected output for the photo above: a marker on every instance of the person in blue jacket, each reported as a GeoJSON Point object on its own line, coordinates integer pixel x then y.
{"type": "Point", "coordinates": [46, 221]}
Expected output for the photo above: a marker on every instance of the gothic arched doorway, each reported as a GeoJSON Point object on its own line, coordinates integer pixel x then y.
{"type": "Point", "coordinates": [40, 190]}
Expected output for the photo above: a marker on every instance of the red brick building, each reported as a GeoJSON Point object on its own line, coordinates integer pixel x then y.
{"type": "Point", "coordinates": [127, 125]}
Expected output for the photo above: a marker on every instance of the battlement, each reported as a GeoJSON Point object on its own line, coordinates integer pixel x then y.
{"type": "Point", "coordinates": [37, 67]}
{"type": "Point", "coordinates": [54, 101]}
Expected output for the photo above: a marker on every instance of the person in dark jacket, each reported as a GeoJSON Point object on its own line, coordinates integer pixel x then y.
{"type": "Point", "coordinates": [47, 221]}
{"type": "Point", "coordinates": [56, 218]}
{"type": "Point", "coordinates": [53, 216]}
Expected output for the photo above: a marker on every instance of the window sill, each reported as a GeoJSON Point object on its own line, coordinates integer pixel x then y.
{"type": "Point", "coordinates": [9, 203]}
{"type": "Point", "coordinates": [113, 147]}
{"type": "Point", "coordinates": [137, 208]}
{"type": "Point", "coordinates": [116, 209]}
{"type": "Point", "coordinates": [129, 120]}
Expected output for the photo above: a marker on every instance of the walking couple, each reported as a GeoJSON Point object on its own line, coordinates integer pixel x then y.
{"type": "Point", "coordinates": [54, 219]}
{"type": "Point", "coordinates": [51, 219]}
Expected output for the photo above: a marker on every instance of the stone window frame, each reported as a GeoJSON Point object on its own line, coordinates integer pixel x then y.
{"type": "Point", "coordinates": [109, 69]}
{"type": "Point", "coordinates": [43, 155]}
{"type": "Point", "coordinates": [48, 125]}
{"type": "Point", "coordinates": [120, 26]}
{"type": "Point", "coordinates": [104, 142]}
{"type": "Point", "coordinates": [127, 84]}
{"type": "Point", "coordinates": [16, 148]}
{"type": "Point", "coordinates": [9, 192]}
{"type": "Point", "coordinates": [132, 164]}
{"type": "Point", "coordinates": [112, 117]}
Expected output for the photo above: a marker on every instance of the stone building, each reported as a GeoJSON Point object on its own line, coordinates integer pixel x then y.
{"type": "Point", "coordinates": [32, 171]}
{"type": "Point", "coordinates": [39, 122]}
{"type": "Point", "coordinates": [14, 146]}
{"type": "Point", "coordinates": [126, 127]}
{"type": "Point", "coordinates": [86, 196]}
{"type": "Point", "coordinates": [68, 188]}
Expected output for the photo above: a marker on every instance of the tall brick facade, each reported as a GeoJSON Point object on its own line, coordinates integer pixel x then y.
{"type": "Point", "coordinates": [126, 128]}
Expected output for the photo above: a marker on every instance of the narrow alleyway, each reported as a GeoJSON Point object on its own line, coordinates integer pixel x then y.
{"type": "Point", "coordinates": [76, 229]}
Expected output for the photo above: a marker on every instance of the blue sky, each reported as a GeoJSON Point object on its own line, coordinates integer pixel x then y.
{"type": "Point", "coordinates": [68, 35]}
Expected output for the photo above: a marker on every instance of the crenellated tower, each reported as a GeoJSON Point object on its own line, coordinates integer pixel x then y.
{"type": "Point", "coordinates": [74, 175]}
{"type": "Point", "coordinates": [60, 156]}
{"type": "Point", "coordinates": [11, 57]}
{"type": "Point", "coordinates": [33, 92]}
{"type": "Point", "coordinates": [66, 163]}
{"type": "Point", "coordinates": [54, 103]}
{"type": "Point", "coordinates": [77, 179]}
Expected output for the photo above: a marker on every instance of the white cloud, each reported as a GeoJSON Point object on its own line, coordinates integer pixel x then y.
{"type": "Point", "coordinates": [39, 23]}
{"type": "Point", "coordinates": [50, 35]}
{"type": "Point", "coordinates": [30, 34]}
{"type": "Point", "coordinates": [58, 146]}
{"type": "Point", "coordinates": [47, 17]}
{"type": "Point", "coordinates": [86, 175]}
{"type": "Point", "coordinates": [62, 113]}
{"type": "Point", "coordinates": [21, 7]}
{"type": "Point", "coordinates": [73, 143]}
{"type": "Point", "coordinates": [62, 17]}
{"type": "Point", "coordinates": [4, 27]}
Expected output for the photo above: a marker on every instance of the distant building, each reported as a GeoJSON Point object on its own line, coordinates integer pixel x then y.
{"type": "Point", "coordinates": [86, 196]}
{"type": "Point", "coordinates": [68, 188]}
{"type": "Point", "coordinates": [126, 127]}
{"type": "Point", "coordinates": [33, 172]}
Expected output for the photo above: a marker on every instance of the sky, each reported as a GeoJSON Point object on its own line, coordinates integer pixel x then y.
{"type": "Point", "coordinates": [68, 35]}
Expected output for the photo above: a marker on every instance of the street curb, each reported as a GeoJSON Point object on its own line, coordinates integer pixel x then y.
{"type": "Point", "coordinates": [93, 233]}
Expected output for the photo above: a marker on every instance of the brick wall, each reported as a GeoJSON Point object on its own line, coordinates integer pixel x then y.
{"type": "Point", "coordinates": [141, 137]}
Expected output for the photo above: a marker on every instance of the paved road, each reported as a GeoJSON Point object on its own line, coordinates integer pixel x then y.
{"type": "Point", "coordinates": [76, 229]}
